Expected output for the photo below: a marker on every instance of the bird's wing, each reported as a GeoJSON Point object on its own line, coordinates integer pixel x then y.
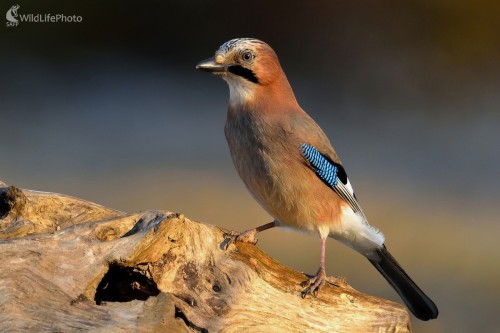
{"type": "Point", "coordinates": [332, 174]}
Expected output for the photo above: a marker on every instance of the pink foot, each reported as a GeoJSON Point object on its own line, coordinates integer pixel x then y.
{"type": "Point", "coordinates": [244, 237]}
{"type": "Point", "coordinates": [314, 284]}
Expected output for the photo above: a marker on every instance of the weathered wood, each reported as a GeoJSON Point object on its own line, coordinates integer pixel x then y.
{"type": "Point", "coordinates": [69, 265]}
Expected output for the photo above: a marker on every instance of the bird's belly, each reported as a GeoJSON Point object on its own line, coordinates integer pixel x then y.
{"type": "Point", "coordinates": [288, 190]}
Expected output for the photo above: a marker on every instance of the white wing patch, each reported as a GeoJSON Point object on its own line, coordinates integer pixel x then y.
{"type": "Point", "coordinates": [349, 187]}
{"type": "Point", "coordinates": [346, 192]}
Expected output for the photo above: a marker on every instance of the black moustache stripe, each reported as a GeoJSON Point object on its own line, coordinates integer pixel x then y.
{"type": "Point", "coordinates": [244, 72]}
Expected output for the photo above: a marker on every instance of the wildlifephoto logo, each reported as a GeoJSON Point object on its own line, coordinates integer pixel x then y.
{"type": "Point", "coordinates": [13, 17]}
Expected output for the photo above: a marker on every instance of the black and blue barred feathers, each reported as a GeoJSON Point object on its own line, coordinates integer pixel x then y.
{"type": "Point", "coordinates": [333, 175]}
{"type": "Point", "coordinates": [323, 168]}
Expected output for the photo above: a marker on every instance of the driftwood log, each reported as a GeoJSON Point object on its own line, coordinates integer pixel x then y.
{"type": "Point", "coordinates": [69, 265]}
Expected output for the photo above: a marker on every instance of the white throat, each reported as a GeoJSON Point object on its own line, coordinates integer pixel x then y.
{"type": "Point", "coordinates": [240, 90]}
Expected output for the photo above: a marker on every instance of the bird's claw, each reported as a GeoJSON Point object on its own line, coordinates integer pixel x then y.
{"type": "Point", "coordinates": [244, 237]}
{"type": "Point", "coordinates": [314, 284]}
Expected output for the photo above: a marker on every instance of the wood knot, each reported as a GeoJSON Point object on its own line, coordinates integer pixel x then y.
{"type": "Point", "coordinates": [12, 201]}
{"type": "Point", "coordinates": [125, 284]}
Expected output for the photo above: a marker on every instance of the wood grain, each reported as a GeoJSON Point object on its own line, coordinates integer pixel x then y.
{"type": "Point", "coordinates": [69, 265]}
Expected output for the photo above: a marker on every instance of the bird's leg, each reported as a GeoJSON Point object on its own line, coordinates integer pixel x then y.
{"type": "Point", "coordinates": [314, 284]}
{"type": "Point", "coordinates": [246, 236]}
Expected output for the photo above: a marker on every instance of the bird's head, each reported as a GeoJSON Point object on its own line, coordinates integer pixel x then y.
{"type": "Point", "coordinates": [247, 65]}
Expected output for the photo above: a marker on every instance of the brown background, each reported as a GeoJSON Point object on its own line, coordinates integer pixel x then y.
{"type": "Point", "coordinates": [112, 110]}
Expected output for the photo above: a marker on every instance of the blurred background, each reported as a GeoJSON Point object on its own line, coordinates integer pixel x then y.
{"type": "Point", "coordinates": [112, 110]}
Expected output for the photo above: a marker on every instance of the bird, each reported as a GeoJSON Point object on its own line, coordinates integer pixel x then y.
{"type": "Point", "coordinates": [290, 168]}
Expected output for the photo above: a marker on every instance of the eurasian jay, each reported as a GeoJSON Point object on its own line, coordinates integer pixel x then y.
{"type": "Point", "coordinates": [290, 168]}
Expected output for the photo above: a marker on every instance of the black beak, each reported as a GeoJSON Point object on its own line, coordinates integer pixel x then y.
{"type": "Point", "coordinates": [209, 65]}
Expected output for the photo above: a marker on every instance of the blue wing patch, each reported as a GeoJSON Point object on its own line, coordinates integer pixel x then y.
{"type": "Point", "coordinates": [323, 168]}
{"type": "Point", "coordinates": [329, 173]}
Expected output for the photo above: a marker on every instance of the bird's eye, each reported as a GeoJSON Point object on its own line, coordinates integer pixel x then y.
{"type": "Point", "coordinates": [247, 56]}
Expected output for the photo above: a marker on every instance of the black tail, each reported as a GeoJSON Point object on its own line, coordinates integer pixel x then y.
{"type": "Point", "coordinates": [419, 304]}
